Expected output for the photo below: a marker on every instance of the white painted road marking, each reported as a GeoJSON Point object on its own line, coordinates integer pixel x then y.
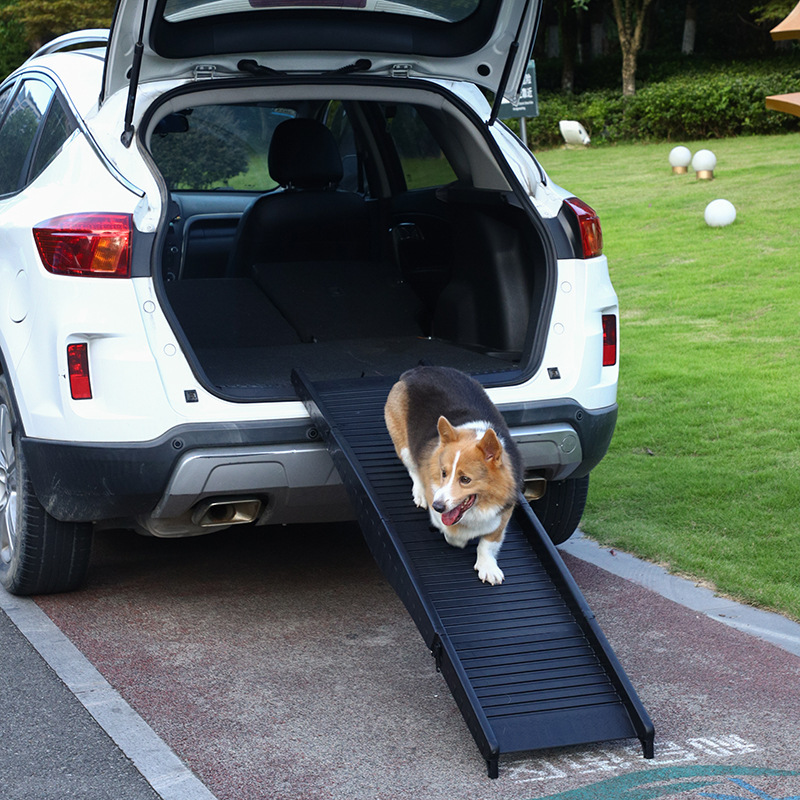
{"type": "Point", "coordinates": [159, 765]}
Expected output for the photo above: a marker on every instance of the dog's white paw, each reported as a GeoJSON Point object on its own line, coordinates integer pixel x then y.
{"type": "Point", "coordinates": [489, 571]}
{"type": "Point", "coordinates": [417, 485]}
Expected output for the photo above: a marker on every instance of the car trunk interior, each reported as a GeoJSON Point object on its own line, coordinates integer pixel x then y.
{"type": "Point", "coordinates": [354, 262]}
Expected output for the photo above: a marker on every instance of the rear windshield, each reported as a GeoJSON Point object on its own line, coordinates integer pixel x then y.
{"type": "Point", "coordinates": [444, 10]}
{"type": "Point", "coordinates": [226, 147]}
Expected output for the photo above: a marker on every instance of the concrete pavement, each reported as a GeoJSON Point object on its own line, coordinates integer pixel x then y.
{"type": "Point", "coordinates": [51, 746]}
{"type": "Point", "coordinates": [285, 667]}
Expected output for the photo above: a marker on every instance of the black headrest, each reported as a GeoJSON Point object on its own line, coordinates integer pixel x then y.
{"type": "Point", "coordinates": [303, 154]}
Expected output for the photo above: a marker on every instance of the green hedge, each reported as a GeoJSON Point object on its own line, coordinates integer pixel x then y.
{"type": "Point", "coordinates": [715, 104]}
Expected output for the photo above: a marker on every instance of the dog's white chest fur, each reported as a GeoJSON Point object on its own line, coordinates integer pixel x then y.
{"type": "Point", "coordinates": [480, 521]}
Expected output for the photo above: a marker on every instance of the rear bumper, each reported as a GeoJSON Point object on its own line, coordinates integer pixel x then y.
{"type": "Point", "coordinates": [159, 484]}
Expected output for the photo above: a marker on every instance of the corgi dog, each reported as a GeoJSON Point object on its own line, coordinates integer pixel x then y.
{"type": "Point", "coordinates": [464, 466]}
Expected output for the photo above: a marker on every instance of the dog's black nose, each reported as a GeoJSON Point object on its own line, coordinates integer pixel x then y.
{"type": "Point", "coordinates": [439, 507]}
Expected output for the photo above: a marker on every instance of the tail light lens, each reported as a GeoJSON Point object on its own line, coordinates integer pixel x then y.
{"type": "Point", "coordinates": [609, 340]}
{"type": "Point", "coordinates": [589, 225]}
{"type": "Point", "coordinates": [78, 368]}
{"type": "Point", "coordinates": [91, 245]}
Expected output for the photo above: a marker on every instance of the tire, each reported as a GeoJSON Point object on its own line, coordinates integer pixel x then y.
{"type": "Point", "coordinates": [38, 553]}
{"type": "Point", "coordinates": [561, 508]}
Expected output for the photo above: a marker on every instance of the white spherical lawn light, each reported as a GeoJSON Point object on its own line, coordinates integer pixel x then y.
{"type": "Point", "coordinates": [719, 213]}
{"type": "Point", "coordinates": [679, 159]}
{"type": "Point", "coordinates": [703, 164]}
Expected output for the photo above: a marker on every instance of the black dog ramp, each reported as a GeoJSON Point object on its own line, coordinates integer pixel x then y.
{"type": "Point", "coordinates": [526, 661]}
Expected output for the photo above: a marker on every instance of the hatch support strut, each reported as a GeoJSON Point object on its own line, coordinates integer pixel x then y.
{"type": "Point", "coordinates": [133, 85]}
{"type": "Point", "coordinates": [513, 50]}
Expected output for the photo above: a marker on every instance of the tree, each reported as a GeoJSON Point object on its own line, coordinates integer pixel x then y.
{"type": "Point", "coordinates": [630, 16]}
{"type": "Point", "coordinates": [568, 26]}
{"type": "Point", "coordinates": [689, 28]}
{"type": "Point", "coordinates": [43, 20]}
{"type": "Point", "coordinates": [772, 10]}
{"type": "Point", "coordinates": [203, 152]}
{"type": "Point", "coordinates": [13, 49]}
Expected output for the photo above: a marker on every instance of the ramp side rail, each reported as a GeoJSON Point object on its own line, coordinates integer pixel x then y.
{"type": "Point", "coordinates": [526, 662]}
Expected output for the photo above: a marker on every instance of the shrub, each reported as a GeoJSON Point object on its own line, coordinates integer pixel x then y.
{"type": "Point", "coordinates": [717, 103]}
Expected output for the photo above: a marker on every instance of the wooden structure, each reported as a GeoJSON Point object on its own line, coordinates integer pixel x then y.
{"type": "Point", "coordinates": [788, 29]}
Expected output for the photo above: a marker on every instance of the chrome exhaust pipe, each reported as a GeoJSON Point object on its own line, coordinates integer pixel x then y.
{"type": "Point", "coordinates": [535, 487]}
{"type": "Point", "coordinates": [218, 513]}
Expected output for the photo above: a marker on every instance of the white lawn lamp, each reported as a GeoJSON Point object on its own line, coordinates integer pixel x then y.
{"type": "Point", "coordinates": [679, 159]}
{"type": "Point", "coordinates": [703, 164]}
{"type": "Point", "coordinates": [719, 213]}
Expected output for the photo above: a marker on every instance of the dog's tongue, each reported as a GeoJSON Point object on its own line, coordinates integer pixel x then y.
{"type": "Point", "coordinates": [455, 514]}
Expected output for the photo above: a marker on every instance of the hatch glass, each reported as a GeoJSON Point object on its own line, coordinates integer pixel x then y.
{"type": "Point", "coordinates": [444, 10]}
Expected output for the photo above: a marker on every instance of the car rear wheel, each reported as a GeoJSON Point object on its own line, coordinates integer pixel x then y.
{"type": "Point", "coordinates": [38, 553]}
{"type": "Point", "coordinates": [561, 508]}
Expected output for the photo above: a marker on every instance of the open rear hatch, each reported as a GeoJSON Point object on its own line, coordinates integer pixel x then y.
{"type": "Point", "coordinates": [486, 42]}
{"type": "Point", "coordinates": [395, 234]}
{"type": "Point", "coordinates": [327, 210]}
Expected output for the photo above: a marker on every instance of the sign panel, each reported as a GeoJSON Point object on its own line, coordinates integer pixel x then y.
{"type": "Point", "coordinates": [528, 103]}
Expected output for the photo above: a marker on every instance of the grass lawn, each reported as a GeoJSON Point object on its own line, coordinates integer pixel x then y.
{"type": "Point", "coordinates": [703, 474]}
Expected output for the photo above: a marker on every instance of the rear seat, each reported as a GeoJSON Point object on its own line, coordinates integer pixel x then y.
{"type": "Point", "coordinates": [228, 312]}
{"type": "Point", "coordinates": [315, 251]}
{"type": "Point", "coordinates": [333, 300]}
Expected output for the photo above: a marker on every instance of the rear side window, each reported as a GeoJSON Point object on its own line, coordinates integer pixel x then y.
{"type": "Point", "coordinates": [424, 164]}
{"type": "Point", "coordinates": [58, 127]}
{"type": "Point", "coordinates": [35, 128]}
{"type": "Point", "coordinates": [5, 96]}
{"type": "Point", "coordinates": [217, 147]}
{"type": "Point", "coordinates": [18, 134]}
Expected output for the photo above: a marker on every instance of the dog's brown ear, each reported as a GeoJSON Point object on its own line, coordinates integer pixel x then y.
{"type": "Point", "coordinates": [447, 433]}
{"type": "Point", "coordinates": [491, 447]}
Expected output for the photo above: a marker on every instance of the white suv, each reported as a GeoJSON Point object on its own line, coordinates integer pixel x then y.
{"type": "Point", "coordinates": [219, 191]}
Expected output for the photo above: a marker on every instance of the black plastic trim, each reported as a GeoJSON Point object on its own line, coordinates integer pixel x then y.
{"type": "Point", "coordinates": [141, 253]}
{"type": "Point", "coordinates": [565, 231]}
{"type": "Point", "coordinates": [594, 427]}
{"type": "Point", "coordinates": [98, 481]}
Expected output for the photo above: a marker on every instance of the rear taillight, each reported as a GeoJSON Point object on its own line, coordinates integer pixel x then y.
{"type": "Point", "coordinates": [589, 225]}
{"type": "Point", "coordinates": [78, 369]}
{"type": "Point", "coordinates": [91, 245]}
{"type": "Point", "coordinates": [609, 340]}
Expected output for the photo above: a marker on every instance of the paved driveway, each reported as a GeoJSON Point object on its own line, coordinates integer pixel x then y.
{"type": "Point", "coordinates": [279, 664]}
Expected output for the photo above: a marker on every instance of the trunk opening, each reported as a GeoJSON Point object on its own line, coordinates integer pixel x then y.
{"type": "Point", "coordinates": [344, 238]}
